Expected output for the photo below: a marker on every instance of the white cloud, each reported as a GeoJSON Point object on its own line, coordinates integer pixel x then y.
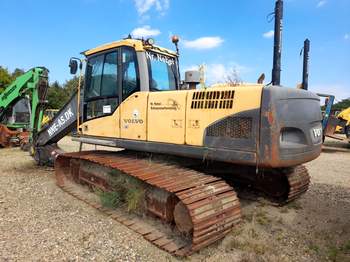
{"type": "Point", "coordinates": [144, 32]}
{"type": "Point", "coordinates": [321, 3]}
{"type": "Point", "coordinates": [143, 6]}
{"type": "Point", "coordinates": [346, 36]}
{"type": "Point", "coordinates": [218, 73]}
{"type": "Point", "coordinates": [207, 42]}
{"type": "Point", "coordinates": [269, 34]}
{"type": "Point", "coordinates": [338, 90]}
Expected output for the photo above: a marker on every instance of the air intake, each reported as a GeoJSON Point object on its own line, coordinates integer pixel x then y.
{"type": "Point", "coordinates": [213, 99]}
{"type": "Point", "coordinates": [232, 127]}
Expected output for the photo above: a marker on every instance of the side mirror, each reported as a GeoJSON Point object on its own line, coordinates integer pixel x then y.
{"type": "Point", "coordinates": [73, 65]}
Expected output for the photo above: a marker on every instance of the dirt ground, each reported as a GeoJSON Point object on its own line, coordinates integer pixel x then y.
{"type": "Point", "coordinates": [38, 221]}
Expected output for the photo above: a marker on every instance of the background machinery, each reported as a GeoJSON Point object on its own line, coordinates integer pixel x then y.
{"type": "Point", "coordinates": [181, 147]}
{"type": "Point", "coordinates": [21, 107]}
{"type": "Point", "coordinates": [335, 123]}
{"type": "Point", "coordinates": [344, 117]}
{"type": "Point", "coordinates": [48, 115]}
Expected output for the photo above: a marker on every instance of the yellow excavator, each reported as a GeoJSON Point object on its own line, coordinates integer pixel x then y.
{"type": "Point", "coordinates": [48, 116]}
{"type": "Point", "coordinates": [344, 127]}
{"type": "Point", "coordinates": [183, 147]}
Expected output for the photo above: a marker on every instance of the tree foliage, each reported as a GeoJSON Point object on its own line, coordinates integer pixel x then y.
{"type": "Point", "coordinates": [59, 95]}
{"type": "Point", "coordinates": [341, 105]}
{"type": "Point", "coordinates": [17, 72]}
{"type": "Point", "coordinates": [6, 77]}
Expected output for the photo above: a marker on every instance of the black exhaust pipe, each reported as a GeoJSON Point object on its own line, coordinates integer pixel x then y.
{"type": "Point", "coordinates": [277, 50]}
{"type": "Point", "coordinates": [305, 84]}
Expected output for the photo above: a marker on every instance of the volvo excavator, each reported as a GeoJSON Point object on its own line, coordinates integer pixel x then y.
{"type": "Point", "coordinates": [21, 107]}
{"type": "Point", "coordinates": [180, 147]}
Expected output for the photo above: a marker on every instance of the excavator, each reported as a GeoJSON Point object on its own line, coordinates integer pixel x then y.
{"type": "Point", "coordinates": [344, 125]}
{"type": "Point", "coordinates": [179, 146]}
{"type": "Point", "coordinates": [20, 102]}
{"type": "Point", "coordinates": [335, 124]}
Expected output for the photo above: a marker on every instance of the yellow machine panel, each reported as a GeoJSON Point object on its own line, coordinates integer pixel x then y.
{"type": "Point", "coordinates": [166, 116]}
{"type": "Point", "coordinates": [133, 116]}
{"type": "Point", "coordinates": [177, 117]}
{"type": "Point", "coordinates": [107, 126]}
{"type": "Point", "coordinates": [345, 114]}
{"type": "Point", "coordinates": [206, 106]}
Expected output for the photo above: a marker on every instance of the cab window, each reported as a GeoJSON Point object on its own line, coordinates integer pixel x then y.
{"type": "Point", "coordinates": [130, 79]}
{"type": "Point", "coordinates": [162, 71]}
{"type": "Point", "coordinates": [101, 89]}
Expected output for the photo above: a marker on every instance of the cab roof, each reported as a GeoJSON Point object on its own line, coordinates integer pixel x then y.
{"type": "Point", "coordinates": [138, 44]}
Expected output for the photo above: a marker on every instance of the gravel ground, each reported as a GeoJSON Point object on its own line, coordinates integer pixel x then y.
{"type": "Point", "coordinates": [39, 222]}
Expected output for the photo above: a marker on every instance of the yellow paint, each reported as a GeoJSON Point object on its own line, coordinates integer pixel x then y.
{"type": "Point", "coordinates": [138, 45]}
{"type": "Point", "coordinates": [166, 116]}
{"type": "Point", "coordinates": [48, 115]}
{"type": "Point", "coordinates": [245, 98]}
{"type": "Point", "coordinates": [107, 126]}
{"type": "Point", "coordinates": [345, 114]}
{"type": "Point", "coordinates": [133, 120]}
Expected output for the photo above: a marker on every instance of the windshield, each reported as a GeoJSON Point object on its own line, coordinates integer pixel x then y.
{"type": "Point", "coordinates": [18, 113]}
{"type": "Point", "coordinates": [162, 71]}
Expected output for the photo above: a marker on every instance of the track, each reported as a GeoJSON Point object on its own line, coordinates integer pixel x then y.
{"type": "Point", "coordinates": [298, 181]}
{"type": "Point", "coordinates": [279, 186]}
{"type": "Point", "coordinates": [198, 209]}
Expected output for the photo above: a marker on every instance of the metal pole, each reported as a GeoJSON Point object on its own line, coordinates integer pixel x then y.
{"type": "Point", "coordinates": [305, 84]}
{"type": "Point", "coordinates": [277, 50]}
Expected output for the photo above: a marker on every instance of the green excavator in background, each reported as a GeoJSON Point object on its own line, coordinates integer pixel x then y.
{"type": "Point", "coordinates": [21, 108]}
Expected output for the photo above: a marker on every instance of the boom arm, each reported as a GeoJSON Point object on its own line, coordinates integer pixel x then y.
{"type": "Point", "coordinates": [45, 141]}
{"type": "Point", "coordinates": [62, 124]}
{"type": "Point", "coordinates": [327, 112]}
{"type": "Point", "coordinates": [32, 83]}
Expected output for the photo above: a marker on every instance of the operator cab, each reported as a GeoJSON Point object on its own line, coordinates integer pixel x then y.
{"type": "Point", "coordinates": [19, 113]}
{"type": "Point", "coordinates": [117, 70]}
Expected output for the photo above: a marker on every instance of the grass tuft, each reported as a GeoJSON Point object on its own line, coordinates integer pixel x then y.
{"type": "Point", "coordinates": [110, 199]}
{"type": "Point", "coordinates": [134, 198]}
{"type": "Point", "coordinates": [262, 219]}
{"type": "Point", "coordinates": [333, 253]}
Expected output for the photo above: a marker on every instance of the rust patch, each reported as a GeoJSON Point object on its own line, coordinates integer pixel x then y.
{"type": "Point", "coordinates": [10, 138]}
{"type": "Point", "coordinates": [270, 117]}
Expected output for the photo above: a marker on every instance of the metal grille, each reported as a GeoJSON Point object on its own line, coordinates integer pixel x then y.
{"type": "Point", "coordinates": [232, 127]}
{"type": "Point", "coordinates": [213, 99]}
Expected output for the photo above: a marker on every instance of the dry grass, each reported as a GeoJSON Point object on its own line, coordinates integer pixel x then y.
{"type": "Point", "coordinates": [127, 191]}
{"type": "Point", "coordinates": [262, 218]}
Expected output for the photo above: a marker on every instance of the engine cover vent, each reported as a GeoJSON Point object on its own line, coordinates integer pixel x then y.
{"type": "Point", "coordinates": [232, 127]}
{"type": "Point", "coordinates": [213, 99]}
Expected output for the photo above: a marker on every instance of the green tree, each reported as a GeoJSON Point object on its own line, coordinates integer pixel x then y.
{"type": "Point", "coordinates": [72, 85]}
{"type": "Point", "coordinates": [56, 96]}
{"type": "Point", "coordinates": [342, 105]}
{"type": "Point", "coordinates": [16, 73]}
{"type": "Point", "coordinates": [5, 78]}
{"type": "Point", "coordinates": [59, 95]}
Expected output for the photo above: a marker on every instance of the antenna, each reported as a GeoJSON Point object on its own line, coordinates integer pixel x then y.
{"type": "Point", "coordinates": [277, 50]}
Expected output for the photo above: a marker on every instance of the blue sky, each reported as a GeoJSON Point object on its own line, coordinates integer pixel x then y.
{"type": "Point", "coordinates": [223, 34]}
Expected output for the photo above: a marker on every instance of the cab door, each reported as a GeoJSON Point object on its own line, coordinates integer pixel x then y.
{"type": "Point", "coordinates": [133, 109]}
{"type": "Point", "coordinates": [102, 96]}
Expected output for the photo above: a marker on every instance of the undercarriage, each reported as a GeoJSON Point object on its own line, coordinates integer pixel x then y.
{"type": "Point", "coordinates": [195, 203]}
